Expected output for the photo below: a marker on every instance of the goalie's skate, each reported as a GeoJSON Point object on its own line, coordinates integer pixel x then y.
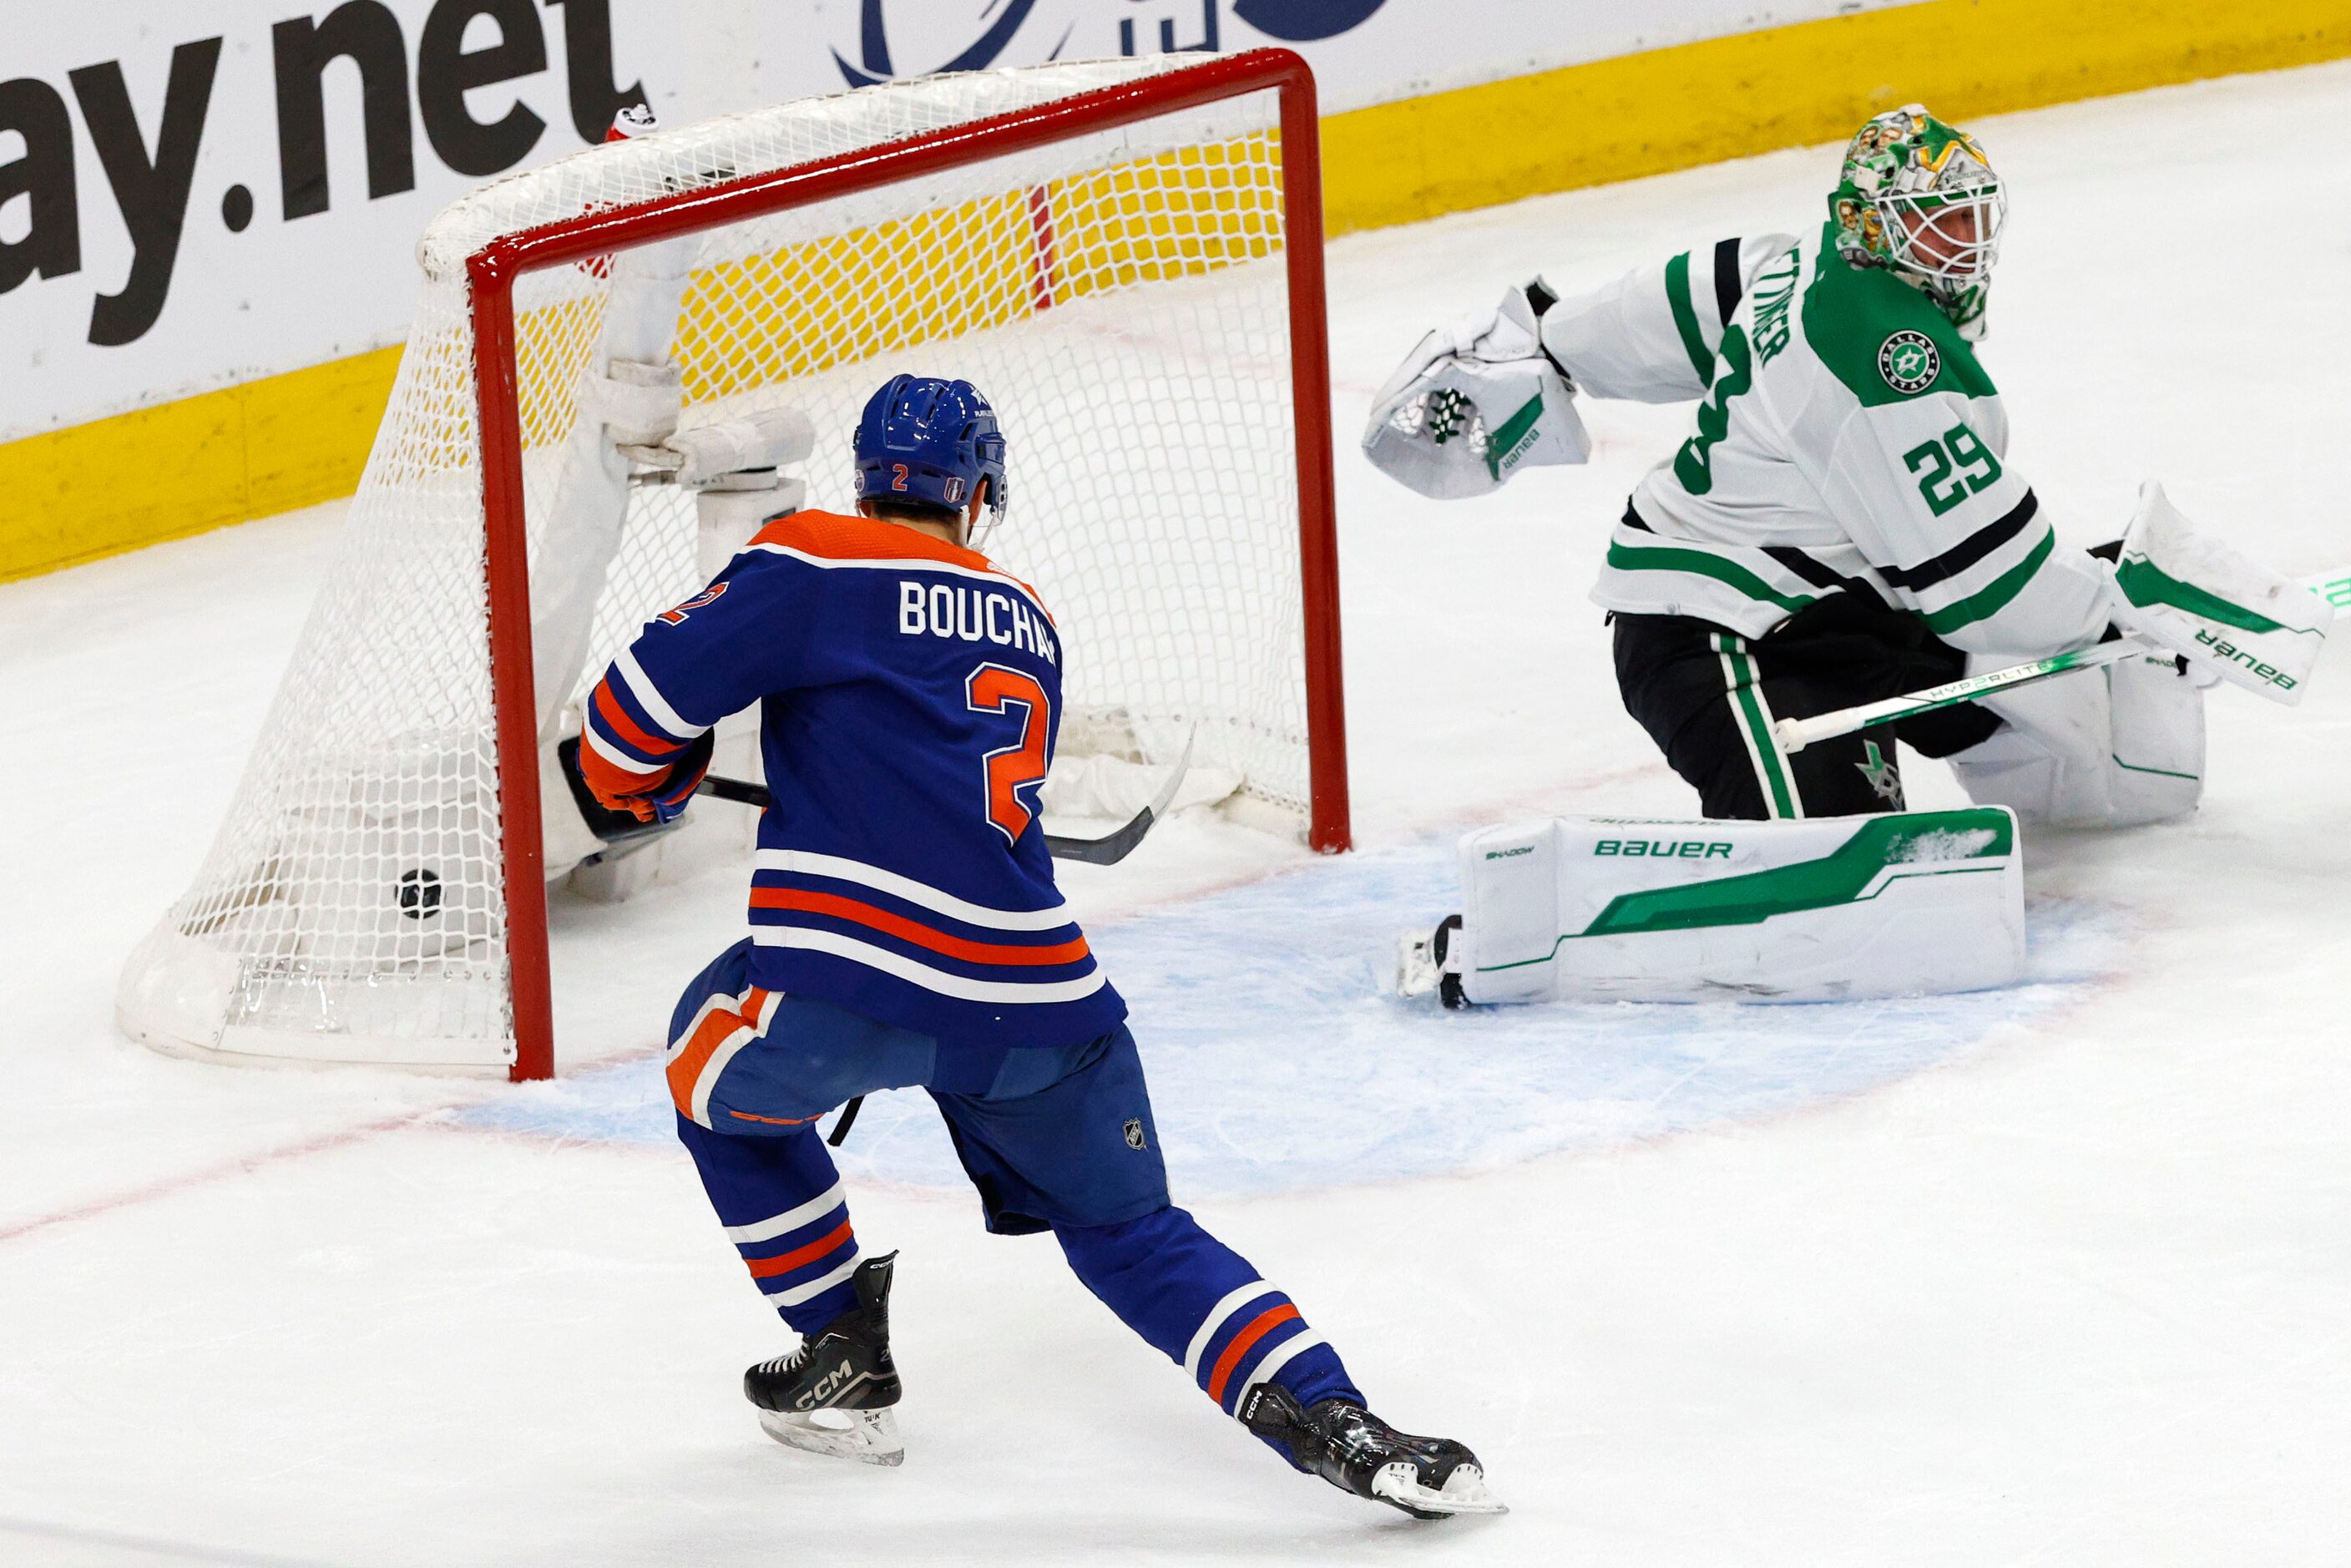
{"type": "Point", "coordinates": [1355, 1451]}
{"type": "Point", "coordinates": [1423, 964]}
{"type": "Point", "coordinates": [833, 1395]}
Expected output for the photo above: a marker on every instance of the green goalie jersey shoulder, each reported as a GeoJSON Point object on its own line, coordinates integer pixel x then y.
{"type": "Point", "coordinates": [1884, 339]}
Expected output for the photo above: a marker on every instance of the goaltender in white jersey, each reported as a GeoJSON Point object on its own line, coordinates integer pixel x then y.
{"type": "Point", "coordinates": [1843, 523]}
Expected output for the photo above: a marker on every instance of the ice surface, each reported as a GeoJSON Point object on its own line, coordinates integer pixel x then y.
{"type": "Point", "coordinates": [2059, 1274]}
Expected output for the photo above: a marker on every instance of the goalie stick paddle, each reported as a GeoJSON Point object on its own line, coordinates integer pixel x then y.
{"type": "Point", "coordinates": [1795, 733]}
{"type": "Point", "coordinates": [1108, 850]}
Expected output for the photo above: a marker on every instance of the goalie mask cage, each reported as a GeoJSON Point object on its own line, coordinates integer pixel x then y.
{"type": "Point", "coordinates": [1125, 255]}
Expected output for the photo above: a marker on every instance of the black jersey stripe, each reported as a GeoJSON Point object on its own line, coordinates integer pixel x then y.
{"type": "Point", "coordinates": [1729, 287]}
{"type": "Point", "coordinates": [1966, 552]}
{"type": "Point", "coordinates": [1820, 575]}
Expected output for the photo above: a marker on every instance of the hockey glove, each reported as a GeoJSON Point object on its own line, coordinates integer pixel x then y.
{"type": "Point", "coordinates": [1476, 402]}
{"type": "Point", "coordinates": [659, 798]}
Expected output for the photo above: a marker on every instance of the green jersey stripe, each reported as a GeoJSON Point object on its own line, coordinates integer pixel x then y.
{"type": "Point", "coordinates": [1653, 557]}
{"type": "Point", "coordinates": [1991, 600]}
{"type": "Point", "coordinates": [1677, 295]}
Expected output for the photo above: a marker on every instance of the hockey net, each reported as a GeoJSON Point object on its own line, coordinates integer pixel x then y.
{"type": "Point", "coordinates": [1125, 255]}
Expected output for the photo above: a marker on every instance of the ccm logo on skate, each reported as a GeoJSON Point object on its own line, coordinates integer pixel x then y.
{"type": "Point", "coordinates": [1689, 850]}
{"type": "Point", "coordinates": [830, 1384]}
{"type": "Point", "coordinates": [2237, 655]}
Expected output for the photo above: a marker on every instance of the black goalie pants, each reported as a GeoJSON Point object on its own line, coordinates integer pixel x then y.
{"type": "Point", "coordinates": [1707, 696]}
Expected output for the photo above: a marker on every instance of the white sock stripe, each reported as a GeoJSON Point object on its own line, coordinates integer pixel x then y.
{"type": "Point", "coordinates": [1276, 1359]}
{"type": "Point", "coordinates": [793, 1219]}
{"type": "Point", "coordinates": [641, 687]}
{"type": "Point", "coordinates": [799, 1293]}
{"type": "Point", "coordinates": [1219, 1315]}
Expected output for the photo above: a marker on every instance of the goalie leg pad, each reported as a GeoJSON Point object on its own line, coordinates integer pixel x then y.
{"type": "Point", "coordinates": [2116, 747]}
{"type": "Point", "coordinates": [1832, 908]}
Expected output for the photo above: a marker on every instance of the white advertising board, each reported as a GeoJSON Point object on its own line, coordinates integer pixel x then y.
{"type": "Point", "coordinates": [193, 195]}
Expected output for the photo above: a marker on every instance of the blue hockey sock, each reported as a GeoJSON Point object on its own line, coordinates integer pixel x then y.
{"type": "Point", "coordinates": [1200, 1304]}
{"type": "Point", "coordinates": [779, 1199]}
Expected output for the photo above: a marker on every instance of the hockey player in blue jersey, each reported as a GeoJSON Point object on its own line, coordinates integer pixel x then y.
{"type": "Point", "coordinates": [905, 929]}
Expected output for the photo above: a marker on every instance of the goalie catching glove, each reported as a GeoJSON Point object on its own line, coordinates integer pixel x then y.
{"type": "Point", "coordinates": [1475, 403]}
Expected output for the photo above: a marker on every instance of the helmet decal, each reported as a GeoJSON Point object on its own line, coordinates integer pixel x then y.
{"type": "Point", "coordinates": [930, 439]}
{"type": "Point", "coordinates": [1919, 198]}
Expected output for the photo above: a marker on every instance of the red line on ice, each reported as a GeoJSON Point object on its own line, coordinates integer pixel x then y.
{"type": "Point", "coordinates": [235, 1165]}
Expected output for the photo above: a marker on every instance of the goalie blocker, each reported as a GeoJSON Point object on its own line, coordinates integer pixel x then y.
{"type": "Point", "coordinates": [1630, 909]}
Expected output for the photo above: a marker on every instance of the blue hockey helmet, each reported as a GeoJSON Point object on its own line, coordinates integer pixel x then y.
{"type": "Point", "coordinates": [929, 441]}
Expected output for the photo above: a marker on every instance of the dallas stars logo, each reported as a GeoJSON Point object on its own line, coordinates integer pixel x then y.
{"type": "Point", "coordinates": [1909, 362]}
{"type": "Point", "coordinates": [1884, 782]}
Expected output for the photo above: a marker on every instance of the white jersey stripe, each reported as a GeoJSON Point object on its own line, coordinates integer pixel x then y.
{"type": "Point", "coordinates": [707, 1079]}
{"type": "Point", "coordinates": [775, 1225]}
{"type": "Point", "coordinates": [656, 706]}
{"type": "Point", "coordinates": [913, 564]}
{"type": "Point", "coordinates": [809, 863]}
{"type": "Point", "coordinates": [919, 974]}
{"type": "Point", "coordinates": [1216, 1318]}
{"type": "Point", "coordinates": [799, 1293]}
{"type": "Point", "coordinates": [619, 758]}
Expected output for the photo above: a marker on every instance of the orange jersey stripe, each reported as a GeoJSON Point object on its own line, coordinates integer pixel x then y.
{"type": "Point", "coordinates": [1266, 1322]}
{"type": "Point", "coordinates": [784, 1263]}
{"type": "Point", "coordinates": [628, 728]}
{"type": "Point", "coordinates": [777, 1121]}
{"type": "Point", "coordinates": [713, 1031]}
{"type": "Point", "coordinates": [905, 930]}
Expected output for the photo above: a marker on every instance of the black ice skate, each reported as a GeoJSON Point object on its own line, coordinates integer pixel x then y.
{"type": "Point", "coordinates": [1425, 964]}
{"type": "Point", "coordinates": [1355, 1451]}
{"type": "Point", "coordinates": [833, 1394]}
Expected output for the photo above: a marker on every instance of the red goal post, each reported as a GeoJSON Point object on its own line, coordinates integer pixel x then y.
{"type": "Point", "coordinates": [496, 267]}
{"type": "Point", "coordinates": [320, 928]}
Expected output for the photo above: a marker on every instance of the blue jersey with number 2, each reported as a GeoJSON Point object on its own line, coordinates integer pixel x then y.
{"type": "Point", "coordinates": [909, 696]}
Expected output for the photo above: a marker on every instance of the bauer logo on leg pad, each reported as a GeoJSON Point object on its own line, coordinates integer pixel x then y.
{"type": "Point", "coordinates": [1794, 911]}
{"type": "Point", "coordinates": [1687, 849]}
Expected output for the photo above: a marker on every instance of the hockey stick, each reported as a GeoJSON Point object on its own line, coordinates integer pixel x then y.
{"type": "Point", "coordinates": [1795, 733]}
{"type": "Point", "coordinates": [1109, 850]}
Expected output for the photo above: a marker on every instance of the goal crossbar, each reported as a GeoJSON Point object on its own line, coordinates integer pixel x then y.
{"type": "Point", "coordinates": [494, 268]}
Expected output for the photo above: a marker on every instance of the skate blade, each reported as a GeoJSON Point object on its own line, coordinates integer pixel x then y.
{"type": "Point", "coordinates": [869, 1437]}
{"type": "Point", "coordinates": [1465, 1492]}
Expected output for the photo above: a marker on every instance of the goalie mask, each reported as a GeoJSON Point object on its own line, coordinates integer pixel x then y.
{"type": "Point", "coordinates": [1918, 197]}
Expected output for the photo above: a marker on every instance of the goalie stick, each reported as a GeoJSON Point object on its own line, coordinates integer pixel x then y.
{"type": "Point", "coordinates": [1795, 733]}
{"type": "Point", "coordinates": [1108, 850]}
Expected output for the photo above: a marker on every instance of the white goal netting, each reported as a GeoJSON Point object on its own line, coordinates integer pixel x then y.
{"type": "Point", "coordinates": [1119, 295]}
